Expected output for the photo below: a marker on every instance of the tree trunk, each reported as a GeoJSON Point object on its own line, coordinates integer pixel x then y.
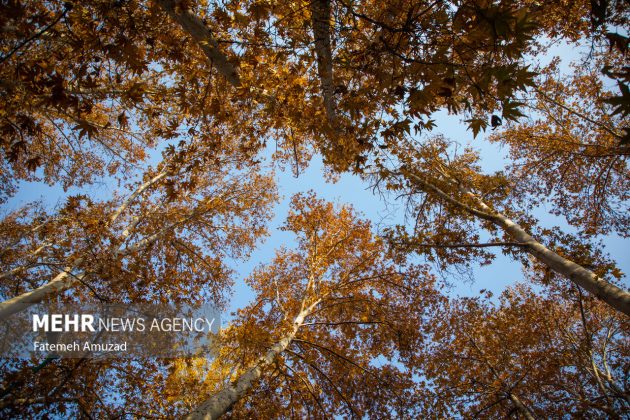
{"type": "Point", "coordinates": [221, 402]}
{"type": "Point", "coordinates": [606, 292]}
{"type": "Point", "coordinates": [195, 27]}
{"type": "Point", "coordinates": [62, 282]}
{"type": "Point", "coordinates": [59, 283]}
{"type": "Point", "coordinates": [320, 21]}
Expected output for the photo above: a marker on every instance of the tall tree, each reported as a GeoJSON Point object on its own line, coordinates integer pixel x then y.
{"type": "Point", "coordinates": [369, 61]}
{"type": "Point", "coordinates": [451, 200]}
{"type": "Point", "coordinates": [528, 354]}
{"type": "Point", "coordinates": [327, 329]}
{"type": "Point", "coordinates": [179, 222]}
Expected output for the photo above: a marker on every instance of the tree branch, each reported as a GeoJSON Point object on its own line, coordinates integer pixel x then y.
{"type": "Point", "coordinates": [462, 245]}
{"type": "Point", "coordinates": [195, 27]}
{"type": "Point", "coordinates": [35, 36]}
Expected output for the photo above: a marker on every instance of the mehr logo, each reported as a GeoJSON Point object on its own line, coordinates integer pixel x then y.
{"type": "Point", "coordinates": [63, 323]}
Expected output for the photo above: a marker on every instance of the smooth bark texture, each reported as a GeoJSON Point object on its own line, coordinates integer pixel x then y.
{"type": "Point", "coordinates": [142, 188]}
{"type": "Point", "coordinates": [221, 402]}
{"type": "Point", "coordinates": [606, 292]}
{"type": "Point", "coordinates": [195, 27]}
{"type": "Point", "coordinates": [59, 283]}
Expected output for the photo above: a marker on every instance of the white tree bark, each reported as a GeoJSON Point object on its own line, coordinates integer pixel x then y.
{"type": "Point", "coordinates": [606, 292]}
{"type": "Point", "coordinates": [65, 279]}
{"type": "Point", "coordinates": [221, 402]}
{"type": "Point", "coordinates": [142, 188]}
{"type": "Point", "coordinates": [61, 282]}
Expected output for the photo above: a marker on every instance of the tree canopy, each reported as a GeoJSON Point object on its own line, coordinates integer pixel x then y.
{"type": "Point", "coordinates": [186, 108]}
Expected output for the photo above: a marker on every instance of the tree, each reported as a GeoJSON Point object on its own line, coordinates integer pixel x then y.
{"type": "Point", "coordinates": [505, 32]}
{"type": "Point", "coordinates": [67, 85]}
{"type": "Point", "coordinates": [529, 354]}
{"type": "Point", "coordinates": [326, 330]}
{"type": "Point", "coordinates": [166, 241]}
{"type": "Point", "coordinates": [183, 218]}
{"type": "Point", "coordinates": [424, 168]}
{"type": "Point", "coordinates": [572, 151]}
{"type": "Point", "coordinates": [373, 60]}
{"type": "Point", "coordinates": [450, 199]}
{"type": "Point", "coordinates": [88, 88]}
